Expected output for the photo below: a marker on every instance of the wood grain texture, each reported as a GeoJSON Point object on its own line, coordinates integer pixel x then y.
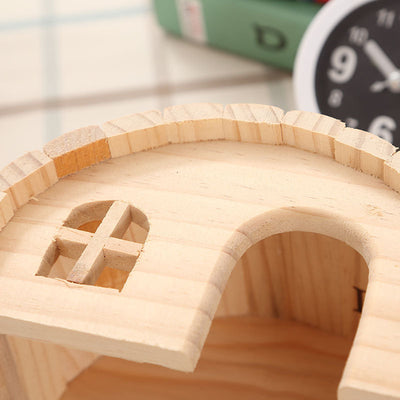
{"type": "Point", "coordinates": [26, 177]}
{"type": "Point", "coordinates": [6, 209]}
{"type": "Point", "coordinates": [78, 149]}
{"type": "Point", "coordinates": [195, 122]}
{"type": "Point", "coordinates": [207, 203]}
{"type": "Point", "coordinates": [244, 357]}
{"type": "Point", "coordinates": [220, 199]}
{"type": "Point", "coordinates": [45, 369]}
{"type": "Point", "coordinates": [253, 123]}
{"type": "Point", "coordinates": [137, 132]}
{"type": "Point", "coordinates": [11, 385]}
{"type": "Point", "coordinates": [363, 151]}
{"type": "Point", "coordinates": [391, 172]}
{"type": "Point", "coordinates": [299, 276]}
{"type": "Point", "coordinates": [311, 132]}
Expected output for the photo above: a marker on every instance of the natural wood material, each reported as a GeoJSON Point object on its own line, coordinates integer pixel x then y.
{"type": "Point", "coordinates": [253, 123]}
{"type": "Point", "coordinates": [363, 151]}
{"type": "Point", "coordinates": [26, 177]}
{"type": "Point", "coordinates": [391, 171]}
{"type": "Point", "coordinates": [43, 370]}
{"type": "Point", "coordinates": [206, 203]}
{"type": "Point", "coordinates": [256, 362]}
{"type": "Point", "coordinates": [11, 386]}
{"type": "Point", "coordinates": [136, 132]}
{"type": "Point", "coordinates": [311, 132]}
{"type": "Point", "coordinates": [78, 149]}
{"type": "Point", "coordinates": [299, 276]}
{"type": "Point", "coordinates": [195, 122]}
{"type": "Point", "coordinates": [6, 209]}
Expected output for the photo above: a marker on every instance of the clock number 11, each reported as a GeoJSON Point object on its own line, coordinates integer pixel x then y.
{"type": "Point", "coordinates": [386, 18]}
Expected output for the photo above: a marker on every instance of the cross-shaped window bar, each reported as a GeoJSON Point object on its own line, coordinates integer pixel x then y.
{"type": "Point", "coordinates": [104, 247]}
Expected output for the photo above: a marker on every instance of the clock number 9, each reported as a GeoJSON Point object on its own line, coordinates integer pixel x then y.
{"type": "Point", "coordinates": [383, 126]}
{"type": "Point", "coordinates": [343, 64]}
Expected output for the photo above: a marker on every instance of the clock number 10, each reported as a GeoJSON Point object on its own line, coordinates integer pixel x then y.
{"type": "Point", "coordinates": [343, 64]}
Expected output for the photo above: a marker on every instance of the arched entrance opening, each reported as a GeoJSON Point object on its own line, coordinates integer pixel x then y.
{"type": "Point", "coordinates": [283, 330]}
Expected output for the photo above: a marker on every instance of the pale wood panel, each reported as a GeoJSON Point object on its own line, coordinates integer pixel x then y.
{"type": "Point", "coordinates": [364, 151]}
{"type": "Point", "coordinates": [299, 276]}
{"type": "Point", "coordinates": [78, 149]}
{"type": "Point", "coordinates": [391, 172]}
{"type": "Point", "coordinates": [311, 132]}
{"type": "Point", "coordinates": [194, 122]}
{"type": "Point", "coordinates": [11, 385]}
{"type": "Point", "coordinates": [243, 357]}
{"type": "Point", "coordinates": [6, 209]}
{"type": "Point", "coordinates": [211, 199]}
{"type": "Point", "coordinates": [254, 123]}
{"type": "Point", "coordinates": [137, 132]}
{"type": "Point", "coordinates": [221, 198]}
{"type": "Point", "coordinates": [44, 368]}
{"type": "Point", "coordinates": [26, 177]}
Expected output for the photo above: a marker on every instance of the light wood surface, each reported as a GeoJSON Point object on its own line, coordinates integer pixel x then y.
{"type": "Point", "coordinates": [299, 276]}
{"type": "Point", "coordinates": [256, 362]}
{"type": "Point", "coordinates": [78, 149]}
{"type": "Point", "coordinates": [27, 176]}
{"type": "Point", "coordinates": [206, 203]}
{"type": "Point", "coordinates": [43, 370]}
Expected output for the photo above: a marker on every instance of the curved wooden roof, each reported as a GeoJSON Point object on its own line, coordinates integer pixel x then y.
{"type": "Point", "coordinates": [207, 199]}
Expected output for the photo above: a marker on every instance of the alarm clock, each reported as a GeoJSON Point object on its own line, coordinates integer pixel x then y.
{"type": "Point", "coordinates": [348, 65]}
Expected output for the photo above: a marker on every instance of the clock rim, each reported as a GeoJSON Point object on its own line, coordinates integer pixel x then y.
{"type": "Point", "coordinates": [310, 48]}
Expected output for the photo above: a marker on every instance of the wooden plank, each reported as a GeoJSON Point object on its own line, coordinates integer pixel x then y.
{"type": "Point", "coordinates": [78, 149]}
{"type": "Point", "coordinates": [391, 172]}
{"type": "Point", "coordinates": [6, 209]}
{"type": "Point", "coordinates": [207, 203]}
{"type": "Point", "coordinates": [121, 254]}
{"type": "Point", "coordinates": [311, 132]}
{"type": "Point", "coordinates": [244, 357]}
{"type": "Point", "coordinates": [46, 369]}
{"type": "Point", "coordinates": [27, 176]}
{"type": "Point", "coordinates": [253, 123]}
{"type": "Point", "coordinates": [363, 151]}
{"type": "Point", "coordinates": [195, 122]}
{"type": "Point", "coordinates": [11, 385]}
{"type": "Point", "coordinates": [136, 132]}
{"type": "Point", "coordinates": [72, 242]}
{"type": "Point", "coordinates": [91, 262]}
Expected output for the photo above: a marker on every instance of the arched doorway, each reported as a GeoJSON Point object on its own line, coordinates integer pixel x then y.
{"type": "Point", "coordinates": [283, 330]}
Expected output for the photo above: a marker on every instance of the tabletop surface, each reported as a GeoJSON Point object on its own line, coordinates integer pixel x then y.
{"type": "Point", "coordinates": [71, 64]}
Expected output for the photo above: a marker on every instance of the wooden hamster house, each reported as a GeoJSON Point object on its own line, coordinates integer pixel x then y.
{"type": "Point", "coordinates": [259, 224]}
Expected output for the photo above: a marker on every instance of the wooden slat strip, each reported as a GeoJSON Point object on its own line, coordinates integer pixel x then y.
{"type": "Point", "coordinates": [136, 132]}
{"type": "Point", "coordinates": [121, 254]}
{"type": "Point", "coordinates": [116, 221]}
{"type": "Point", "coordinates": [311, 132]}
{"type": "Point", "coordinates": [194, 122]}
{"type": "Point", "coordinates": [78, 149]}
{"type": "Point", "coordinates": [363, 151]}
{"type": "Point", "coordinates": [6, 209]}
{"type": "Point", "coordinates": [92, 260]}
{"type": "Point", "coordinates": [27, 177]}
{"type": "Point", "coordinates": [253, 123]}
{"type": "Point", "coordinates": [72, 242]}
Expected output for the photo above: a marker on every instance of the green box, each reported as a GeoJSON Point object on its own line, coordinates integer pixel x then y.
{"type": "Point", "coordinates": [266, 30]}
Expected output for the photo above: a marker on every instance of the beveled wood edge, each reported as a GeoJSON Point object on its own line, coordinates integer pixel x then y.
{"type": "Point", "coordinates": [254, 123]}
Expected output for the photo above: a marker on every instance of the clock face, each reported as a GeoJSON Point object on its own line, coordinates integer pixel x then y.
{"type": "Point", "coordinates": [358, 71]}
